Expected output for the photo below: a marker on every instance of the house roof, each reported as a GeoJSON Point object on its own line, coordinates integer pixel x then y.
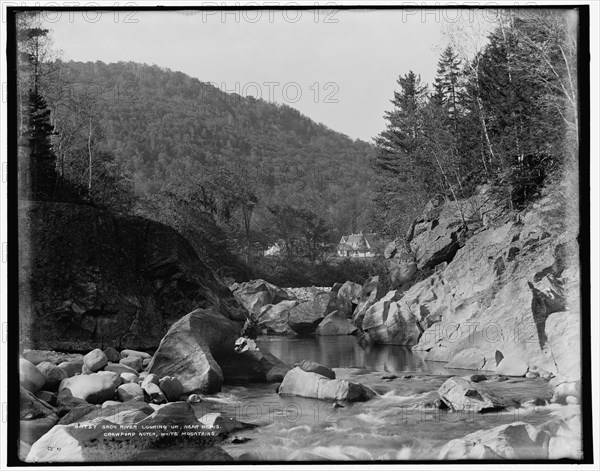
{"type": "Point", "coordinates": [357, 241]}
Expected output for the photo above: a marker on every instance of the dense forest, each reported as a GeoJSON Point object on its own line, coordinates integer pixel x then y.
{"type": "Point", "coordinates": [235, 174]}
{"type": "Point", "coordinates": [505, 116]}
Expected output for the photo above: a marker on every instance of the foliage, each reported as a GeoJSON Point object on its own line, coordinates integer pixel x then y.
{"type": "Point", "coordinates": [402, 175]}
{"type": "Point", "coordinates": [506, 116]}
{"type": "Point", "coordinates": [41, 155]}
{"type": "Point", "coordinates": [132, 137]}
{"type": "Point", "coordinates": [168, 129]}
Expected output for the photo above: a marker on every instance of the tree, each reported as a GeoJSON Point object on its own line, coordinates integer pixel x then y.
{"type": "Point", "coordinates": [315, 234]}
{"type": "Point", "coordinates": [227, 192]}
{"type": "Point", "coordinates": [304, 233]}
{"type": "Point", "coordinates": [402, 174]}
{"type": "Point", "coordinates": [42, 166]}
{"type": "Point", "coordinates": [447, 86]}
{"type": "Point", "coordinates": [34, 60]}
{"type": "Point", "coordinates": [526, 131]}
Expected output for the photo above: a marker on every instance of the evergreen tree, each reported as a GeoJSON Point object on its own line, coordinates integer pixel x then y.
{"type": "Point", "coordinates": [42, 164]}
{"type": "Point", "coordinates": [402, 174]}
{"type": "Point", "coordinates": [447, 85]}
{"type": "Point", "coordinates": [524, 130]}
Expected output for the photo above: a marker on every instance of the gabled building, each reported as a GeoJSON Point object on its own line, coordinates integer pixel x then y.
{"type": "Point", "coordinates": [357, 245]}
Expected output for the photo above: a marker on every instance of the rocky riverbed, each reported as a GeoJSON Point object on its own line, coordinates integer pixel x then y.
{"type": "Point", "coordinates": [404, 421]}
{"type": "Point", "coordinates": [311, 413]}
{"type": "Point", "coordinates": [169, 367]}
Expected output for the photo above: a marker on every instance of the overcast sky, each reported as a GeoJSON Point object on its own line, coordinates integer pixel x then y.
{"type": "Point", "coordinates": [339, 67]}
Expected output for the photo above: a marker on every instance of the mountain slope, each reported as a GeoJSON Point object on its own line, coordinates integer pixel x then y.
{"type": "Point", "coordinates": [168, 129]}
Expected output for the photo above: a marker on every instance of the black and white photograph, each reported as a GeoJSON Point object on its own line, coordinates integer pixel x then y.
{"type": "Point", "coordinates": [300, 233]}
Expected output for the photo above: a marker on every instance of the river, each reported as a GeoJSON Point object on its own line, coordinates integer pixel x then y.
{"type": "Point", "coordinates": [399, 424]}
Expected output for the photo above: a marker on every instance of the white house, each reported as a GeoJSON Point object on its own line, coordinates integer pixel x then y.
{"type": "Point", "coordinates": [357, 245]}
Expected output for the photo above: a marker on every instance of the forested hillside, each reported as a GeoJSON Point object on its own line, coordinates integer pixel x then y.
{"type": "Point", "coordinates": [172, 131]}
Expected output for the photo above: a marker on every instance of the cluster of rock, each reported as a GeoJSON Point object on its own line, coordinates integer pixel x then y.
{"type": "Point", "coordinates": [71, 385]}
{"type": "Point", "coordinates": [502, 292]}
{"type": "Point", "coordinates": [197, 355]}
{"type": "Point", "coordinates": [127, 432]}
{"type": "Point", "coordinates": [557, 438]}
{"type": "Point", "coordinates": [278, 311]}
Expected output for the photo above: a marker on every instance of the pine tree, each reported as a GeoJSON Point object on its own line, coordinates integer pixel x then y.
{"type": "Point", "coordinates": [526, 132]}
{"type": "Point", "coordinates": [42, 165]}
{"type": "Point", "coordinates": [401, 172]}
{"type": "Point", "coordinates": [447, 86]}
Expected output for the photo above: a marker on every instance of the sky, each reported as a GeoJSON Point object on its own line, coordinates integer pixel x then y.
{"type": "Point", "coordinates": [337, 67]}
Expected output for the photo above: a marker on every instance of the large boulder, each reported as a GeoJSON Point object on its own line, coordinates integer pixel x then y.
{"type": "Point", "coordinates": [255, 294]}
{"type": "Point", "coordinates": [336, 323]}
{"type": "Point", "coordinates": [53, 375]}
{"type": "Point", "coordinates": [302, 383]}
{"type": "Point", "coordinates": [302, 319]}
{"type": "Point", "coordinates": [438, 233]}
{"type": "Point", "coordinates": [133, 362]}
{"type": "Point", "coordinates": [187, 351]}
{"type": "Point", "coordinates": [130, 392]}
{"type": "Point", "coordinates": [92, 278]}
{"type": "Point", "coordinates": [400, 264]}
{"type": "Point", "coordinates": [36, 417]}
{"type": "Point", "coordinates": [350, 291]}
{"type": "Point", "coordinates": [112, 354]}
{"type": "Point", "coordinates": [515, 441]}
{"type": "Point", "coordinates": [389, 322]}
{"type": "Point", "coordinates": [273, 318]}
{"type": "Point", "coordinates": [341, 304]}
{"type": "Point", "coordinates": [94, 388]}
{"type": "Point", "coordinates": [305, 317]}
{"type": "Point", "coordinates": [95, 360]}
{"type": "Point", "coordinates": [171, 388]}
{"type": "Point", "coordinates": [460, 394]}
{"type": "Point", "coordinates": [372, 291]}
{"type": "Point", "coordinates": [154, 393]}
{"type": "Point", "coordinates": [30, 377]}
{"type": "Point", "coordinates": [248, 363]}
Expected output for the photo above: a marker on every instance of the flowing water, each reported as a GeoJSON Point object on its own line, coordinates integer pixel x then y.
{"type": "Point", "coordinates": [400, 423]}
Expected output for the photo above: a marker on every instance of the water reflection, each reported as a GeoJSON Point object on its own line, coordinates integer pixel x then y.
{"type": "Point", "coordinates": [345, 352]}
